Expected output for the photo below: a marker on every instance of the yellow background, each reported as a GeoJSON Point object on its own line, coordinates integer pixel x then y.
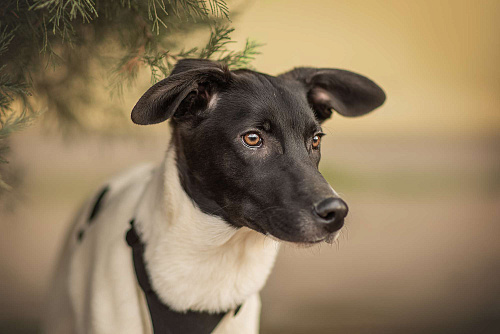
{"type": "Point", "coordinates": [439, 61]}
{"type": "Point", "coordinates": [421, 175]}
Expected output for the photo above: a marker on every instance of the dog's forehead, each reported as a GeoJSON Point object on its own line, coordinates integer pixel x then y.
{"type": "Point", "coordinates": [257, 98]}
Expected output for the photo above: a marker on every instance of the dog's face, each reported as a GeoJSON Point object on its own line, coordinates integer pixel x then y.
{"type": "Point", "coordinates": [248, 144]}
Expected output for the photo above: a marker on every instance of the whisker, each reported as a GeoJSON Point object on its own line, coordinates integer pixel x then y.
{"type": "Point", "coordinates": [219, 209]}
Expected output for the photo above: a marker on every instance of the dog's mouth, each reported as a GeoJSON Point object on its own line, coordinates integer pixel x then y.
{"type": "Point", "coordinates": [332, 237]}
{"type": "Point", "coordinates": [305, 233]}
{"type": "Point", "coordinates": [329, 239]}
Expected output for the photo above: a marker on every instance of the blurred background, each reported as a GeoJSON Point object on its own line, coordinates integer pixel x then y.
{"type": "Point", "coordinates": [421, 175]}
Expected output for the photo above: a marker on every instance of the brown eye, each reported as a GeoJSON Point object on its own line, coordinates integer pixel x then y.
{"type": "Point", "coordinates": [252, 139]}
{"type": "Point", "coordinates": [316, 141]}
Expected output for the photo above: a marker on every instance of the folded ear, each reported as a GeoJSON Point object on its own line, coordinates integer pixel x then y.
{"type": "Point", "coordinates": [348, 93]}
{"type": "Point", "coordinates": [191, 85]}
{"type": "Point", "coordinates": [185, 65]}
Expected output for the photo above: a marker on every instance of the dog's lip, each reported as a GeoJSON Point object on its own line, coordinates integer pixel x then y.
{"type": "Point", "coordinates": [325, 236]}
{"type": "Point", "coordinates": [328, 238]}
{"type": "Point", "coordinates": [314, 242]}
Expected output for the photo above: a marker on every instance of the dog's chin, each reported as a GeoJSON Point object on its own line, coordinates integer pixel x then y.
{"type": "Point", "coordinates": [303, 236]}
{"type": "Point", "coordinates": [332, 237]}
{"type": "Point", "coordinates": [329, 238]}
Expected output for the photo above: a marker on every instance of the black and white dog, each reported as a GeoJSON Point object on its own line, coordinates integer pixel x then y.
{"type": "Point", "coordinates": [185, 247]}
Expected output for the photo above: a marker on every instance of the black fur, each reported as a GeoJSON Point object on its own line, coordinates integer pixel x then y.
{"type": "Point", "coordinates": [80, 234]}
{"type": "Point", "coordinates": [164, 99]}
{"type": "Point", "coordinates": [348, 93]}
{"type": "Point", "coordinates": [237, 310]}
{"type": "Point", "coordinates": [97, 204]}
{"type": "Point", "coordinates": [274, 188]}
{"type": "Point", "coordinates": [163, 318]}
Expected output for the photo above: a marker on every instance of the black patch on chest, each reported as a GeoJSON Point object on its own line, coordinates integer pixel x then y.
{"type": "Point", "coordinates": [80, 234]}
{"type": "Point", "coordinates": [236, 311]}
{"type": "Point", "coordinates": [97, 204]}
{"type": "Point", "coordinates": [163, 318]}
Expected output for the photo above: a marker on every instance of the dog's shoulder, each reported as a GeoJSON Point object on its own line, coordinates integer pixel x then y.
{"type": "Point", "coordinates": [95, 250]}
{"type": "Point", "coordinates": [114, 201]}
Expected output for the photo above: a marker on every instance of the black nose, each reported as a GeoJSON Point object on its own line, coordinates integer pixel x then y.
{"type": "Point", "coordinates": [331, 212]}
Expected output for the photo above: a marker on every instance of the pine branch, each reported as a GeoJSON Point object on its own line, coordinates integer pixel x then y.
{"type": "Point", "coordinates": [15, 123]}
{"type": "Point", "coordinates": [219, 8]}
{"type": "Point", "coordinates": [6, 36]}
{"type": "Point", "coordinates": [59, 14]}
{"type": "Point", "coordinates": [155, 6]}
{"type": "Point", "coordinates": [217, 48]}
{"type": "Point", "coordinates": [218, 41]}
{"type": "Point", "coordinates": [243, 58]}
{"type": "Point", "coordinates": [193, 9]}
{"type": "Point", "coordinates": [77, 36]}
{"type": "Point", "coordinates": [9, 91]}
{"type": "Point", "coordinates": [12, 124]}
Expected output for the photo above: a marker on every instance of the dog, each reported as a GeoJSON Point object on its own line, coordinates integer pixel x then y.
{"type": "Point", "coordinates": [186, 246]}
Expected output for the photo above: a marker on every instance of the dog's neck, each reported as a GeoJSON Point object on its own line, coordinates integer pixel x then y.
{"type": "Point", "coordinates": [197, 261]}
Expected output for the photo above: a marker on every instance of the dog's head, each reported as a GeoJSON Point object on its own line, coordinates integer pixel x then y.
{"type": "Point", "coordinates": [248, 144]}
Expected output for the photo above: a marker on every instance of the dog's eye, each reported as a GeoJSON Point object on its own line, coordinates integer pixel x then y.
{"type": "Point", "coordinates": [316, 141]}
{"type": "Point", "coordinates": [252, 139]}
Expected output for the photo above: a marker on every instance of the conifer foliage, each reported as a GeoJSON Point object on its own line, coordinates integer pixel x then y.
{"type": "Point", "coordinates": [51, 48]}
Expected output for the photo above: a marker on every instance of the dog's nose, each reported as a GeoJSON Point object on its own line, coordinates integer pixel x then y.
{"type": "Point", "coordinates": [331, 212]}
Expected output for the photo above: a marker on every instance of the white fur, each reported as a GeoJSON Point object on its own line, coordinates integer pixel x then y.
{"type": "Point", "coordinates": [195, 261]}
{"type": "Point", "coordinates": [213, 102]}
{"type": "Point", "coordinates": [220, 266]}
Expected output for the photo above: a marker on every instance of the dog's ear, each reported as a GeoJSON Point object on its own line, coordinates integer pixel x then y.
{"type": "Point", "coordinates": [190, 87]}
{"type": "Point", "coordinates": [185, 65]}
{"type": "Point", "coordinates": [348, 93]}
